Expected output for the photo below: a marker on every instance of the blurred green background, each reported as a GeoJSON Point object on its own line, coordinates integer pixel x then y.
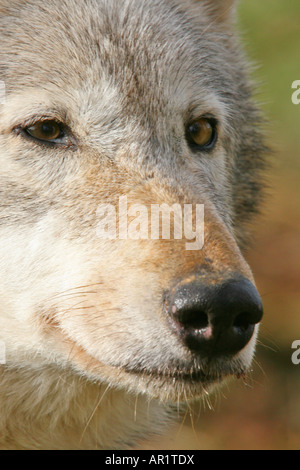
{"type": "Point", "coordinates": [264, 412]}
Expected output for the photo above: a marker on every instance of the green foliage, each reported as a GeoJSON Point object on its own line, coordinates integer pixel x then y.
{"type": "Point", "coordinates": [271, 31]}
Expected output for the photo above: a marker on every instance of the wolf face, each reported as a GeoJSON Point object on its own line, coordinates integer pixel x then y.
{"type": "Point", "coordinates": [143, 99]}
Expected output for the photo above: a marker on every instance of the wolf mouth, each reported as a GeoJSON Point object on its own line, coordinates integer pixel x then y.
{"type": "Point", "coordinates": [190, 377]}
{"type": "Point", "coordinates": [185, 374]}
{"type": "Point", "coordinates": [174, 386]}
{"type": "Point", "coordinates": [182, 376]}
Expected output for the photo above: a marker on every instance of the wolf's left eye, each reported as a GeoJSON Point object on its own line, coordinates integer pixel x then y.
{"type": "Point", "coordinates": [202, 134]}
{"type": "Point", "coordinates": [46, 131]}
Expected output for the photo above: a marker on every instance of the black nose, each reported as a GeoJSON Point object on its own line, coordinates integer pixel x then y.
{"type": "Point", "coordinates": [215, 320]}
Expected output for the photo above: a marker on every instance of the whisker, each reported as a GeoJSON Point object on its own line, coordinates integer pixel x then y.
{"type": "Point", "coordinates": [194, 429]}
{"type": "Point", "coordinates": [70, 294]}
{"type": "Point", "coordinates": [266, 346]}
{"type": "Point", "coordinates": [94, 411]}
{"type": "Point", "coordinates": [135, 408]}
{"type": "Point", "coordinates": [256, 362]}
{"type": "Point", "coordinates": [181, 424]}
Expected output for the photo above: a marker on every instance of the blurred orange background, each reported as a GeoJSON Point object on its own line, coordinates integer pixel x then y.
{"type": "Point", "coordinates": [263, 412]}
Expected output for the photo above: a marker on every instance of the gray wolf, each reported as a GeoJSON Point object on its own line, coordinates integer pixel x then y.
{"type": "Point", "coordinates": [147, 99]}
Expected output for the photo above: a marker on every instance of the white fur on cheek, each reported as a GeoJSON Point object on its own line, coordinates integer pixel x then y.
{"type": "Point", "coordinates": [47, 264]}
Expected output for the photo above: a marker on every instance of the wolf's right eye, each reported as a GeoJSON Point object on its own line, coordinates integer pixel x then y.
{"type": "Point", "coordinates": [46, 131]}
{"type": "Point", "coordinates": [202, 134]}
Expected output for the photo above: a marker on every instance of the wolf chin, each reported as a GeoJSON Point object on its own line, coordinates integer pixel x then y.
{"type": "Point", "coordinates": [147, 99]}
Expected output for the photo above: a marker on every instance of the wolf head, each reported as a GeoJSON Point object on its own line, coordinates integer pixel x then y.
{"type": "Point", "coordinates": [147, 100]}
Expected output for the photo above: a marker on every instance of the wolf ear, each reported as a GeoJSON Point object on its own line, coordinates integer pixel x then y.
{"type": "Point", "coordinates": [221, 10]}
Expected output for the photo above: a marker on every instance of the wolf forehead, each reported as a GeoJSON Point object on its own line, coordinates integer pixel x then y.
{"type": "Point", "coordinates": [137, 70]}
{"type": "Point", "coordinates": [134, 43]}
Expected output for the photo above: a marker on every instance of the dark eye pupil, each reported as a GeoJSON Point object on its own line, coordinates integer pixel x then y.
{"type": "Point", "coordinates": [49, 129]}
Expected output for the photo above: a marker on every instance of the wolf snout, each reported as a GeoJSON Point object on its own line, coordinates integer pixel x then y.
{"type": "Point", "coordinates": [215, 319]}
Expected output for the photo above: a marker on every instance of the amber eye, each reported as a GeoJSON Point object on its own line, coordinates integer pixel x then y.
{"type": "Point", "coordinates": [46, 131]}
{"type": "Point", "coordinates": [202, 134]}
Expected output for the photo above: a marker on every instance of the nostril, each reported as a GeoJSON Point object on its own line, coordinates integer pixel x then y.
{"type": "Point", "coordinates": [242, 321]}
{"type": "Point", "coordinates": [193, 319]}
{"type": "Point", "coordinates": [190, 316]}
